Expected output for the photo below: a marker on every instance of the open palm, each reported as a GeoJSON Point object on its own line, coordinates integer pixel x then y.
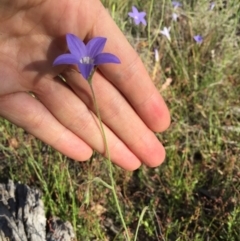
{"type": "Point", "coordinates": [32, 35]}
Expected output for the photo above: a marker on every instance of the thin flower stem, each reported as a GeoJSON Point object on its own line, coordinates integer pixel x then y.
{"type": "Point", "coordinates": [108, 159]}
{"type": "Point", "coordinates": [139, 222]}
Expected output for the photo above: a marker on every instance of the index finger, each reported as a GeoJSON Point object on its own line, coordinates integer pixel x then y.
{"type": "Point", "coordinates": [131, 77]}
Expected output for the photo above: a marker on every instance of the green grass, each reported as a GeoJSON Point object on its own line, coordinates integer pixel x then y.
{"type": "Point", "coordinates": [195, 194]}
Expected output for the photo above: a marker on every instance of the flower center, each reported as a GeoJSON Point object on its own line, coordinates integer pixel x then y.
{"type": "Point", "coordinates": [86, 60]}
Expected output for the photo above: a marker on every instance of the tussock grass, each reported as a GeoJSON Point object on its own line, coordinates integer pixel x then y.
{"type": "Point", "coordinates": [195, 194]}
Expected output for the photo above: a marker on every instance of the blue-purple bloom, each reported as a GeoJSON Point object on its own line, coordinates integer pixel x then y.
{"type": "Point", "coordinates": [137, 16]}
{"type": "Point", "coordinates": [176, 4]}
{"type": "Point", "coordinates": [85, 56]}
{"type": "Point", "coordinates": [198, 39]}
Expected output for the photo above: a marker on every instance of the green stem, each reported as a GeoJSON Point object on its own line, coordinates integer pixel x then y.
{"type": "Point", "coordinates": [108, 158]}
{"type": "Point", "coordinates": [139, 222]}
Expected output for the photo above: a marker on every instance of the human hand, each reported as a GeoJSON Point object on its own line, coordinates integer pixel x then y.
{"type": "Point", "coordinates": [32, 35]}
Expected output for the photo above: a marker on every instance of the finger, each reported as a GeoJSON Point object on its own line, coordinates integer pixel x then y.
{"type": "Point", "coordinates": [119, 116]}
{"type": "Point", "coordinates": [131, 77]}
{"type": "Point", "coordinates": [32, 116]}
{"type": "Point", "coordinates": [72, 112]}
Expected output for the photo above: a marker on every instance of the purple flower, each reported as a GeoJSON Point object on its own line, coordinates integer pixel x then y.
{"type": "Point", "coordinates": [85, 56]}
{"type": "Point", "coordinates": [137, 16]}
{"type": "Point", "coordinates": [176, 4]}
{"type": "Point", "coordinates": [198, 39]}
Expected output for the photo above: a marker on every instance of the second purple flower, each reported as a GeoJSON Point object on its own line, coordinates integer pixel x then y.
{"type": "Point", "coordinates": [138, 17]}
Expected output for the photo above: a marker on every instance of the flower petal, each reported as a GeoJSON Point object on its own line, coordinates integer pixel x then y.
{"type": "Point", "coordinates": [104, 58]}
{"type": "Point", "coordinates": [137, 21]}
{"type": "Point", "coordinates": [85, 69]}
{"type": "Point", "coordinates": [142, 14]}
{"type": "Point", "coordinates": [144, 22]}
{"type": "Point", "coordinates": [95, 46]}
{"type": "Point", "coordinates": [76, 46]}
{"type": "Point", "coordinates": [132, 15]}
{"type": "Point", "coordinates": [142, 19]}
{"type": "Point", "coordinates": [66, 59]}
{"type": "Point", "coordinates": [134, 10]}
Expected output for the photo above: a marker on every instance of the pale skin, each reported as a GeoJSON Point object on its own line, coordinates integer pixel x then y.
{"type": "Point", "coordinates": [32, 35]}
